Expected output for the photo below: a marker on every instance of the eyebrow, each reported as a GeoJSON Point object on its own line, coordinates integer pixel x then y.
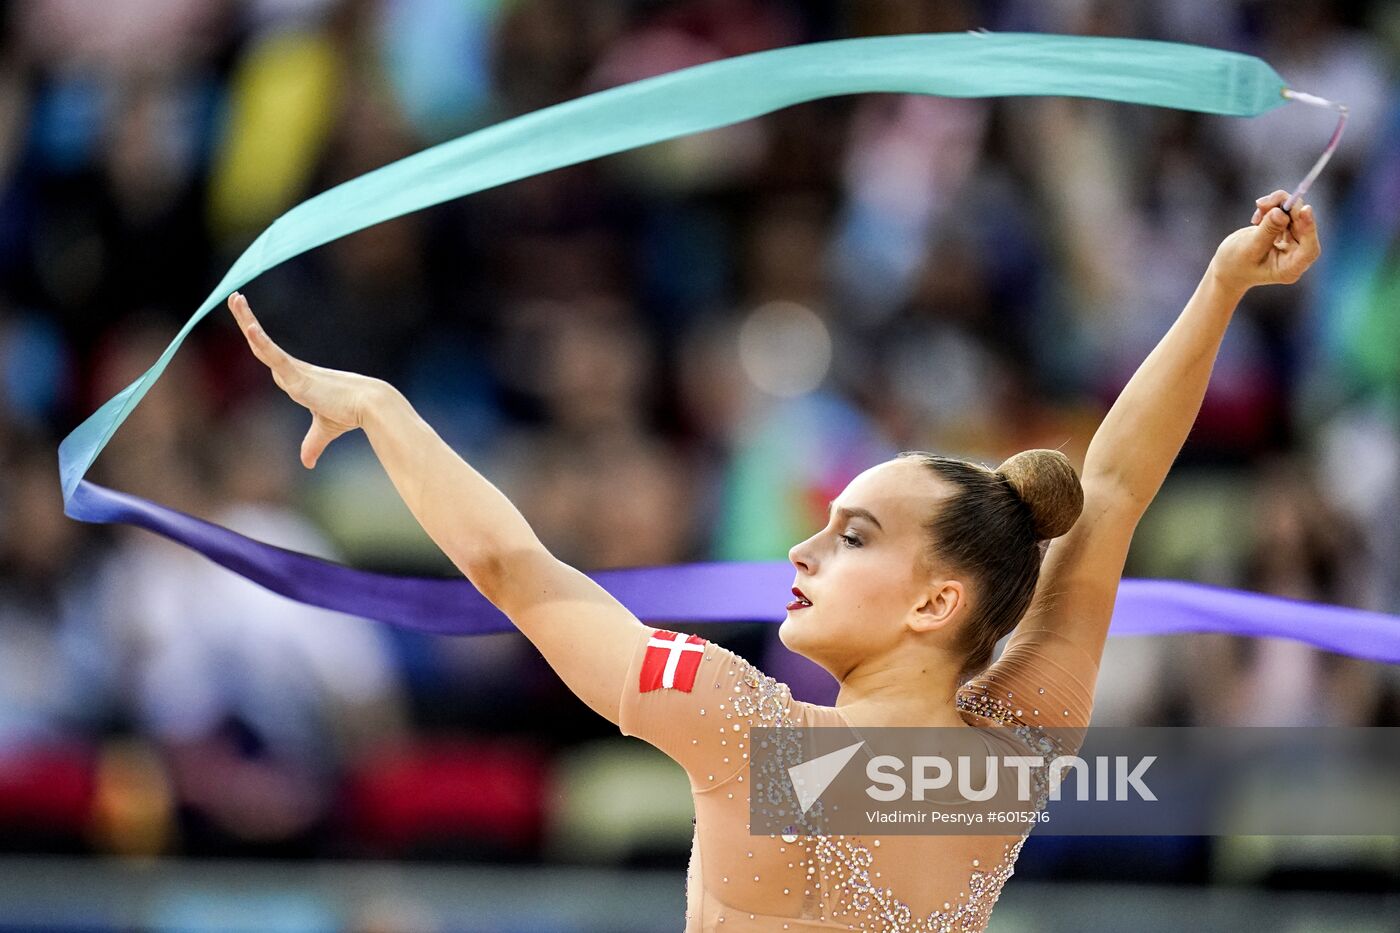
{"type": "Point", "coordinates": [855, 513]}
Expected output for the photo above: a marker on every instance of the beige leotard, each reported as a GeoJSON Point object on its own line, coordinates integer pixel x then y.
{"type": "Point", "coordinates": [700, 716]}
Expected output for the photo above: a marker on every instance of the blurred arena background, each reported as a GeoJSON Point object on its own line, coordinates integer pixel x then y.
{"type": "Point", "coordinates": [675, 354]}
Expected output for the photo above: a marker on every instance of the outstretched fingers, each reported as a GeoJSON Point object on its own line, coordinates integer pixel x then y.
{"type": "Point", "coordinates": [283, 365]}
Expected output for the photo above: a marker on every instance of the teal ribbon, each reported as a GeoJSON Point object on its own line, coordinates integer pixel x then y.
{"type": "Point", "coordinates": [1161, 74]}
{"type": "Point", "coordinates": [1136, 71]}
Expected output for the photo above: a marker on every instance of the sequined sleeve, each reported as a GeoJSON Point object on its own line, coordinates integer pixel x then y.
{"type": "Point", "coordinates": [1042, 678]}
{"type": "Point", "coordinates": [696, 701]}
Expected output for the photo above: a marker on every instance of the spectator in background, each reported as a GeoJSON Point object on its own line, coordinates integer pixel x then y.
{"type": "Point", "coordinates": [952, 271]}
{"type": "Point", "coordinates": [1302, 549]}
{"type": "Point", "coordinates": [258, 702]}
{"type": "Point", "coordinates": [56, 677]}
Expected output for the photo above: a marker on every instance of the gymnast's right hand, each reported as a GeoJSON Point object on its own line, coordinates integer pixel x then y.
{"type": "Point", "coordinates": [336, 399]}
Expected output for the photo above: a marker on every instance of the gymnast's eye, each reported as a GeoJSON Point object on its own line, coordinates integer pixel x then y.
{"type": "Point", "coordinates": [851, 540]}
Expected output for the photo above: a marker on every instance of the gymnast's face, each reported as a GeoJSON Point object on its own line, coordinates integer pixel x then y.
{"type": "Point", "coordinates": [871, 589]}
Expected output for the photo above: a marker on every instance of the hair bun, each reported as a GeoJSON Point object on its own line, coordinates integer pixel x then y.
{"type": "Point", "coordinates": [1045, 480]}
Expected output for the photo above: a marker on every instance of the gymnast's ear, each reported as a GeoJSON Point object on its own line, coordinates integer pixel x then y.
{"type": "Point", "coordinates": [938, 605]}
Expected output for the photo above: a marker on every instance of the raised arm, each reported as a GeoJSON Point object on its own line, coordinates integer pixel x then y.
{"type": "Point", "coordinates": [585, 634]}
{"type": "Point", "coordinates": [1058, 644]}
{"type": "Point", "coordinates": [1145, 429]}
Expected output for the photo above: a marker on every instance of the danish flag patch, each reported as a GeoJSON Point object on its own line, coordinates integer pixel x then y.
{"type": "Point", "coordinates": [672, 661]}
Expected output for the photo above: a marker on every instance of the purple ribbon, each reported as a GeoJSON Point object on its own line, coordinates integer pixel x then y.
{"type": "Point", "coordinates": [754, 591]}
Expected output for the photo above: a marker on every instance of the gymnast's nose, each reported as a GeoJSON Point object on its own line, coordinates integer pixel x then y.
{"type": "Point", "coordinates": [798, 554]}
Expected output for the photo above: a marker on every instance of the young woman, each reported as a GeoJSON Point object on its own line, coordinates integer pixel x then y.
{"type": "Point", "coordinates": [924, 564]}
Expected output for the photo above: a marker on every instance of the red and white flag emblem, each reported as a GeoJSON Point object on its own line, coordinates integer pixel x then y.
{"type": "Point", "coordinates": [671, 661]}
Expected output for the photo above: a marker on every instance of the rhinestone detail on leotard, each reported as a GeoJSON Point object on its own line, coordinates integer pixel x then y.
{"type": "Point", "coordinates": [839, 871]}
{"type": "Point", "coordinates": [865, 905]}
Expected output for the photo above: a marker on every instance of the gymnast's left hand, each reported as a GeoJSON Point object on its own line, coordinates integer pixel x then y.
{"type": "Point", "coordinates": [336, 399]}
{"type": "Point", "coordinates": [1276, 249]}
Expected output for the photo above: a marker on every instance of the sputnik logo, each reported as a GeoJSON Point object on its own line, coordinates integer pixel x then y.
{"type": "Point", "coordinates": [811, 778]}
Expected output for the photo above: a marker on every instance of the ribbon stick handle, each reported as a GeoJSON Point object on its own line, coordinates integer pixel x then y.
{"type": "Point", "coordinates": [1316, 101]}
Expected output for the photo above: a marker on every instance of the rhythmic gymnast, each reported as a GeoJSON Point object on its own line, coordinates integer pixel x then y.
{"type": "Point", "coordinates": [925, 563]}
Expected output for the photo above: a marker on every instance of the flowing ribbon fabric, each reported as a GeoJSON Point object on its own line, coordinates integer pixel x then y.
{"type": "Point", "coordinates": [680, 103]}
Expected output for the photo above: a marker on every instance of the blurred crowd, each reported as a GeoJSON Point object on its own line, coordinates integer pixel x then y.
{"type": "Point", "coordinates": [679, 353]}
